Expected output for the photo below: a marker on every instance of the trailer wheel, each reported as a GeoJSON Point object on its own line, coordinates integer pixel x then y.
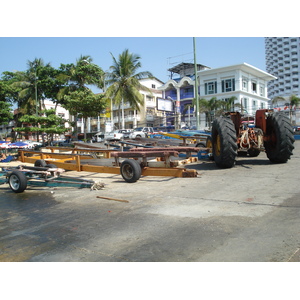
{"type": "Point", "coordinates": [279, 146]}
{"type": "Point", "coordinates": [130, 170]}
{"type": "Point", "coordinates": [200, 145]}
{"type": "Point", "coordinates": [224, 142]}
{"type": "Point", "coordinates": [17, 181]}
{"type": "Point", "coordinates": [40, 163]}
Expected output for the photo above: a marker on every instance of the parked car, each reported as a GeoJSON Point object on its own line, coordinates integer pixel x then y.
{"type": "Point", "coordinates": [32, 144]}
{"type": "Point", "coordinates": [98, 137]}
{"type": "Point", "coordinates": [126, 132]}
{"type": "Point", "coordinates": [113, 136]}
{"type": "Point", "coordinates": [141, 132]}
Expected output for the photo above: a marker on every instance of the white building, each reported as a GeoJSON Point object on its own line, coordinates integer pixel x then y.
{"type": "Point", "coordinates": [148, 115]}
{"type": "Point", "coordinates": [60, 111]}
{"type": "Point", "coordinates": [283, 61]}
{"type": "Point", "coordinates": [243, 81]}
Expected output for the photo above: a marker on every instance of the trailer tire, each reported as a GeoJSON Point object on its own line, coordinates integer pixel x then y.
{"type": "Point", "coordinates": [130, 170]}
{"type": "Point", "coordinates": [200, 145]}
{"type": "Point", "coordinates": [17, 181]}
{"type": "Point", "coordinates": [224, 142]}
{"type": "Point", "coordinates": [279, 146]}
{"type": "Point", "coordinates": [40, 163]}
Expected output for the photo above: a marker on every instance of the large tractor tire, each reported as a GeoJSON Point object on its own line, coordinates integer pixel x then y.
{"type": "Point", "coordinates": [279, 146]}
{"type": "Point", "coordinates": [224, 142]}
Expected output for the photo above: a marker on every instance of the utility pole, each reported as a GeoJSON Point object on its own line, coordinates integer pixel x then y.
{"type": "Point", "coordinates": [196, 87]}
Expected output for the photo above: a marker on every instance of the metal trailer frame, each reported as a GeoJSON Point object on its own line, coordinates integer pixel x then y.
{"type": "Point", "coordinates": [72, 161]}
{"type": "Point", "coordinates": [20, 177]}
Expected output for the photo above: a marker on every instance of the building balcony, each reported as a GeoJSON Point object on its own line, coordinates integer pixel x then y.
{"type": "Point", "coordinates": [294, 43]}
{"type": "Point", "coordinates": [128, 118]}
{"type": "Point", "coordinates": [150, 118]}
{"type": "Point", "coordinates": [150, 104]}
{"type": "Point", "coordinates": [124, 106]}
{"type": "Point", "coordinates": [186, 95]}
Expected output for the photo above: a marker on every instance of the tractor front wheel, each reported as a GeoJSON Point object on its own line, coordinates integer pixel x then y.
{"type": "Point", "coordinates": [224, 142]}
{"type": "Point", "coordinates": [280, 138]}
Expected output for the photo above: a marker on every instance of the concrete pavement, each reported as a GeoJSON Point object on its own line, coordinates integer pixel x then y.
{"type": "Point", "coordinates": [248, 213]}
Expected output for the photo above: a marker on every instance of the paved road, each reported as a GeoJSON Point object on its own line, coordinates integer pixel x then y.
{"type": "Point", "coordinates": [250, 213]}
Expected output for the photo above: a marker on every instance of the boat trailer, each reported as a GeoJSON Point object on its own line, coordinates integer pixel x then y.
{"type": "Point", "coordinates": [20, 177]}
{"type": "Point", "coordinates": [136, 162]}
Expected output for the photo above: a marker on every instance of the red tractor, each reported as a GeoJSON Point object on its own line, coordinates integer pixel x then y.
{"type": "Point", "coordinates": [233, 135]}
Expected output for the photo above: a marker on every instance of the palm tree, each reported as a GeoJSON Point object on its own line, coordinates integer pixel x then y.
{"type": "Point", "coordinates": [75, 79]}
{"type": "Point", "coordinates": [79, 76]}
{"type": "Point", "coordinates": [276, 99]}
{"type": "Point", "coordinates": [123, 81]}
{"type": "Point", "coordinates": [230, 104]}
{"type": "Point", "coordinates": [211, 108]}
{"type": "Point", "coordinates": [31, 94]}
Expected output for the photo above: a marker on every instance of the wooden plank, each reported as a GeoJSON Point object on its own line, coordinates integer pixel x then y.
{"type": "Point", "coordinates": [178, 149]}
{"type": "Point", "coordinates": [169, 172]}
{"type": "Point", "coordinates": [145, 153]}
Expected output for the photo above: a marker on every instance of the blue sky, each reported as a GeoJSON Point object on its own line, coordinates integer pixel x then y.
{"type": "Point", "coordinates": [157, 53]}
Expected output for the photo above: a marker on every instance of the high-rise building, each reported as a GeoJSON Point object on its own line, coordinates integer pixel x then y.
{"type": "Point", "coordinates": [283, 61]}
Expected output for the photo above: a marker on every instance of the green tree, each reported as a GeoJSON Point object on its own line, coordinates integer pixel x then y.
{"type": "Point", "coordinates": [275, 100]}
{"type": "Point", "coordinates": [48, 123]}
{"type": "Point", "coordinates": [31, 85]}
{"type": "Point", "coordinates": [84, 103]}
{"type": "Point", "coordinates": [123, 81]}
{"type": "Point", "coordinates": [5, 113]}
{"type": "Point", "coordinates": [5, 106]}
{"type": "Point", "coordinates": [78, 76]}
{"type": "Point", "coordinates": [75, 80]}
{"type": "Point", "coordinates": [229, 104]}
{"type": "Point", "coordinates": [211, 108]}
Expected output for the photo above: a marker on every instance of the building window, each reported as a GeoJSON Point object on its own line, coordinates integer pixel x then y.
{"type": "Point", "coordinates": [149, 98]}
{"type": "Point", "coordinates": [254, 87]}
{"type": "Point", "coordinates": [153, 86]}
{"type": "Point", "coordinates": [228, 85]}
{"type": "Point", "coordinates": [262, 91]}
{"type": "Point", "coordinates": [245, 105]}
{"type": "Point", "coordinates": [210, 88]}
{"type": "Point", "coordinates": [245, 85]}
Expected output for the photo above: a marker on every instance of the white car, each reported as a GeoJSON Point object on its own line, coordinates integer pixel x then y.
{"type": "Point", "coordinates": [141, 132]}
{"type": "Point", "coordinates": [32, 144]}
{"type": "Point", "coordinates": [113, 136]}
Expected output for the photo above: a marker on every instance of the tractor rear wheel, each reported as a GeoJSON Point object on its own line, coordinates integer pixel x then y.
{"type": "Point", "coordinates": [224, 142]}
{"type": "Point", "coordinates": [279, 146]}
